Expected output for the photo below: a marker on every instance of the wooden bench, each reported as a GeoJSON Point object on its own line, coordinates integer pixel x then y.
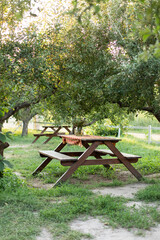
{"type": "Point", "coordinates": [52, 155]}
{"type": "Point", "coordinates": [56, 155]}
{"type": "Point", "coordinates": [127, 155]}
{"type": "Point", "coordinates": [67, 160]}
{"type": "Point", "coordinates": [46, 134]}
{"type": "Point", "coordinates": [131, 158]}
{"type": "Point", "coordinates": [49, 135]}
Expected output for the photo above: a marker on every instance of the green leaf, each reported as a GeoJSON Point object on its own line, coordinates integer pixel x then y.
{"type": "Point", "coordinates": [8, 163]}
{"type": "Point", "coordinates": [9, 135]}
{"type": "Point", "coordinates": [2, 138]}
{"type": "Point", "coordinates": [157, 52]}
{"type": "Point", "coordinates": [1, 157]}
{"type": "Point", "coordinates": [146, 36]}
{"type": "Point", "coordinates": [1, 113]}
{"type": "Point", "coordinates": [146, 33]}
{"type": "Point", "coordinates": [157, 20]}
{"type": "Point", "coordinates": [96, 8]}
{"type": "Point", "coordinates": [1, 166]}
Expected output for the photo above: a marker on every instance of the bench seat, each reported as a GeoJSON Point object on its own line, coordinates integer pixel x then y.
{"type": "Point", "coordinates": [107, 151]}
{"type": "Point", "coordinates": [56, 155]}
{"type": "Point", "coordinates": [46, 134]}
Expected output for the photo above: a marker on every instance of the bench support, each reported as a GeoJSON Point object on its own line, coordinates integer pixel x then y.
{"type": "Point", "coordinates": [79, 162]}
{"type": "Point", "coordinates": [42, 165]}
{"type": "Point", "coordinates": [123, 160]}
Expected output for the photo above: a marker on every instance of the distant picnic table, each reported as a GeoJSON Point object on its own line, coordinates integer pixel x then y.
{"type": "Point", "coordinates": [56, 132]}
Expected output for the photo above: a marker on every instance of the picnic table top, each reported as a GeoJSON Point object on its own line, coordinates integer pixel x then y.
{"type": "Point", "coordinates": [56, 126]}
{"type": "Point", "coordinates": [74, 139]}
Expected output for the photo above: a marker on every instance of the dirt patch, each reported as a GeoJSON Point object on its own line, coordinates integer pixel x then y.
{"type": "Point", "coordinates": [36, 183]}
{"type": "Point", "coordinates": [19, 175]}
{"type": "Point", "coordinates": [95, 226]}
{"type": "Point", "coordinates": [127, 191]}
{"type": "Point", "coordinates": [100, 231]}
{"type": "Point", "coordinates": [118, 174]}
{"type": "Point", "coordinates": [44, 235]}
{"type": "Point", "coordinates": [90, 179]}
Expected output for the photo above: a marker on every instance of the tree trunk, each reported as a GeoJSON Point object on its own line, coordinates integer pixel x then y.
{"type": "Point", "coordinates": [1, 125]}
{"type": "Point", "coordinates": [157, 115]}
{"type": "Point", "coordinates": [25, 128]}
{"type": "Point", "coordinates": [73, 129]}
{"type": "Point", "coordinates": [2, 147]}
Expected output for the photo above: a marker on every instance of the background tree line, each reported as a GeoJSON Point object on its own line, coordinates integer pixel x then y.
{"type": "Point", "coordinates": [105, 64]}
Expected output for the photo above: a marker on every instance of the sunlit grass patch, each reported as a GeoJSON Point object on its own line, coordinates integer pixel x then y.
{"type": "Point", "coordinates": [150, 193]}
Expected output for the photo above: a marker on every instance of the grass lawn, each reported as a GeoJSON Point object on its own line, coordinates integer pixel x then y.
{"type": "Point", "coordinates": [26, 209]}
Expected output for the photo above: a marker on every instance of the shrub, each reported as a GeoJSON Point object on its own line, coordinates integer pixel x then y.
{"type": "Point", "coordinates": [10, 181]}
{"type": "Point", "coordinates": [102, 130]}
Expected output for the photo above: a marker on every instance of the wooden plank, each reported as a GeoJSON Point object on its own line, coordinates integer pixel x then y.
{"type": "Point", "coordinates": [96, 155]}
{"type": "Point", "coordinates": [66, 127]}
{"type": "Point", "coordinates": [55, 126]}
{"type": "Point", "coordinates": [76, 153]}
{"type": "Point", "coordinates": [42, 166]}
{"type": "Point", "coordinates": [80, 161]}
{"type": "Point", "coordinates": [44, 134]}
{"type": "Point", "coordinates": [107, 151]}
{"type": "Point", "coordinates": [124, 160]}
{"type": "Point", "coordinates": [60, 147]}
{"type": "Point", "coordinates": [49, 138]}
{"type": "Point", "coordinates": [97, 162]}
{"type": "Point", "coordinates": [55, 155]}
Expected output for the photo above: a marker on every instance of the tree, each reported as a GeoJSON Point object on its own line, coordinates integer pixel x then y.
{"type": "Point", "coordinates": [28, 56]}
{"type": "Point", "coordinates": [108, 61]}
{"type": "Point", "coordinates": [87, 63]}
{"type": "Point", "coordinates": [25, 115]}
{"type": "Point", "coordinates": [27, 71]}
{"type": "Point", "coordinates": [137, 84]}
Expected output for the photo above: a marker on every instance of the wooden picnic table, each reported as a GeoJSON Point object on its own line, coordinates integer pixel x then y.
{"type": "Point", "coordinates": [50, 135]}
{"type": "Point", "coordinates": [77, 159]}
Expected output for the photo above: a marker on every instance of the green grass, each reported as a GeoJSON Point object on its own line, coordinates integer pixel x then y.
{"type": "Point", "coordinates": [150, 193]}
{"type": "Point", "coordinates": [25, 210]}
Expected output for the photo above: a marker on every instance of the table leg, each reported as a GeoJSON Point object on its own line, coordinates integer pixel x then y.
{"type": "Point", "coordinates": [97, 155]}
{"type": "Point", "coordinates": [48, 139]}
{"type": "Point", "coordinates": [53, 129]}
{"type": "Point", "coordinates": [42, 166]}
{"type": "Point", "coordinates": [79, 162]}
{"type": "Point", "coordinates": [60, 147]}
{"type": "Point", "coordinates": [35, 139]}
{"type": "Point", "coordinates": [54, 134]}
{"type": "Point", "coordinates": [123, 160]}
{"type": "Point", "coordinates": [68, 130]}
{"type": "Point", "coordinates": [47, 160]}
{"type": "Point", "coordinates": [39, 136]}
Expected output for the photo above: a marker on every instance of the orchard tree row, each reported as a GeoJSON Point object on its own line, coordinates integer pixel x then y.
{"type": "Point", "coordinates": [83, 62]}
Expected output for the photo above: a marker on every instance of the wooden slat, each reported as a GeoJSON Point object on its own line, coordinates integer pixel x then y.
{"type": "Point", "coordinates": [124, 160]}
{"type": "Point", "coordinates": [75, 153]}
{"type": "Point", "coordinates": [80, 161]}
{"type": "Point", "coordinates": [55, 155]}
{"type": "Point", "coordinates": [107, 151]}
{"type": "Point", "coordinates": [44, 134]}
{"type": "Point", "coordinates": [97, 161]}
